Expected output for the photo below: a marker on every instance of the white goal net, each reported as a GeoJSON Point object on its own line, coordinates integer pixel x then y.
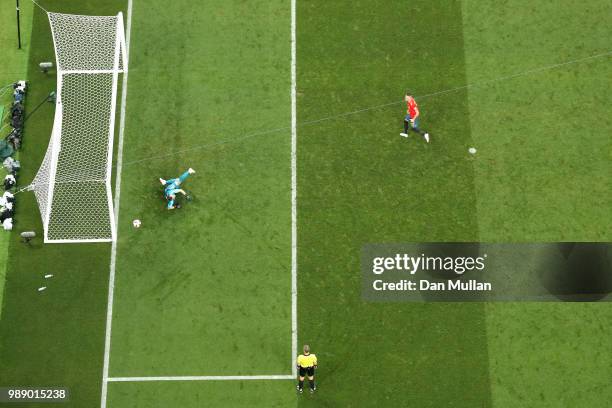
{"type": "Point", "coordinates": [73, 184]}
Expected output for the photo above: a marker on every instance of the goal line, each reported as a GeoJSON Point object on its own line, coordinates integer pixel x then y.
{"type": "Point", "coordinates": [203, 378]}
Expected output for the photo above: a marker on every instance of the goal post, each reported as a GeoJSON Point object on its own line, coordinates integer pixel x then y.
{"type": "Point", "coordinates": [73, 184]}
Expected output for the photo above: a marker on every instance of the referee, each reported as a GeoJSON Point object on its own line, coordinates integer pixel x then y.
{"type": "Point", "coordinates": [306, 364]}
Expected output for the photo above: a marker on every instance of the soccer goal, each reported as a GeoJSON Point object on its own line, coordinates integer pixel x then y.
{"type": "Point", "coordinates": [73, 184]}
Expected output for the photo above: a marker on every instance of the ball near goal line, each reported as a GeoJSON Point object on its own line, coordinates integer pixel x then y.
{"type": "Point", "coordinates": [136, 223]}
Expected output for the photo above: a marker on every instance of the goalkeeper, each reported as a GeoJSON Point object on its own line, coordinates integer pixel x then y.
{"type": "Point", "coordinates": [172, 188]}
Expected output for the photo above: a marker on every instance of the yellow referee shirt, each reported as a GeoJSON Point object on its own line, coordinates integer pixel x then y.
{"type": "Point", "coordinates": [307, 361]}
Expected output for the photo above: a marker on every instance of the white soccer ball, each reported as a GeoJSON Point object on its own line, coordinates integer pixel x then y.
{"type": "Point", "coordinates": [136, 223]}
{"type": "Point", "coordinates": [472, 150]}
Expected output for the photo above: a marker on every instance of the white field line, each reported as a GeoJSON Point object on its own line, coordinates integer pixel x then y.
{"type": "Point", "coordinates": [293, 189]}
{"type": "Point", "coordinates": [113, 260]}
{"type": "Point", "coordinates": [203, 378]}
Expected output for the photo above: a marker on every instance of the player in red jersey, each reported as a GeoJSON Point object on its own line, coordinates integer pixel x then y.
{"type": "Point", "coordinates": [411, 120]}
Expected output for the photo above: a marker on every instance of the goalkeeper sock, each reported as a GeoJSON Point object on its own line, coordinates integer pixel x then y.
{"type": "Point", "coordinates": [301, 384]}
{"type": "Point", "coordinates": [312, 384]}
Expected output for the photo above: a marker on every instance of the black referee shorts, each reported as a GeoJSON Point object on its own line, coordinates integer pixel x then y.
{"type": "Point", "coordinates": [306, 371]}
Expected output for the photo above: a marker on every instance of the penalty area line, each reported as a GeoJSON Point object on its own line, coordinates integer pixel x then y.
{"type": "Point", "coordinates": [203, 378]}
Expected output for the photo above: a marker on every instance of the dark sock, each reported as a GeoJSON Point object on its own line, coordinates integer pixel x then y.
{"type": "Point", "coordinates": [311, 384]}
{"type": "Point", "coordinates": [301, 384]}
{"type": "Point", "coordinates": [406, 126]}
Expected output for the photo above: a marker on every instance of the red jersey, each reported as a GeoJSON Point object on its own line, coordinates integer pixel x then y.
{"type": "Point", "coordinates": [413, 110]}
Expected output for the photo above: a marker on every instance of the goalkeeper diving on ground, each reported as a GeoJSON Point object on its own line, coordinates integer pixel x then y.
{"type": "Point", "coordinates": [411, 120]}
{"type": "Point", "coordinates": [172, 188]}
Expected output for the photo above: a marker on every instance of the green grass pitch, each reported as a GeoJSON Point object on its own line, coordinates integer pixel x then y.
{"type": "Point", "coordinates": [206, 290]}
